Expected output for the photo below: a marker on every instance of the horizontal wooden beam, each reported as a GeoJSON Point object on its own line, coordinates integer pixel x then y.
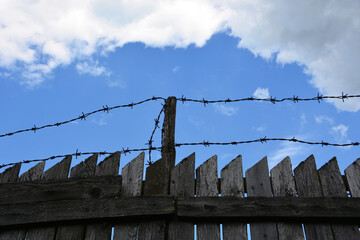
{"type": "Point", "coordinates": [49, 190]}
{"type": "Point", "coordinates": [199, 209]}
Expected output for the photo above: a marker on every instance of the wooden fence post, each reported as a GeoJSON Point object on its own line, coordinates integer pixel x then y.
{"type": "Point", "coordinates": [168, 137]}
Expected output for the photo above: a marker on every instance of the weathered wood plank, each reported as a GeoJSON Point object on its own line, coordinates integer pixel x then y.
{"type": "Point", "coordinates": [258, 184]}
{"type": "Point", "coordinates": [333, 186]}
{"type": "Point", "coordinates": [206, 185]}
{"type": "Point", "coordinates": [67, 189]}
{"type": "Point", "coordinates": [155, 184]}
{"type": "Point", "coordinates": [11, 175]}
{"type": "Point", "coordinates": [108, 167]}
{"type": "Point", "coordinates": [283, 185]}
{"type": "Point", "coordinates": [232, 185]}
{"type": "Point", "coordinates": [85, 168]}
{"type": "Point", "coordinates": [132, 175]}
{"type": "Point", "coordinates": [208, 209]}
{"type": "Point", "coordinates": [308, 185]}
{"type": "Point", "coordinates": [168, 152]}
{"type": "Point", "coordinates": [86, 209]}
{"type": "Point", "coordinates": [58, 171]}
{"type": "Point", "coordinates": [82, 170]}
{"type": "Point", "coordinates": [352, 174]}
{"type": "Point", "coordinates": [272, 209]}
{"type": "Point", "coordinates": [182, 185]}
{"type": "Point", "coordinates": [33, 173]}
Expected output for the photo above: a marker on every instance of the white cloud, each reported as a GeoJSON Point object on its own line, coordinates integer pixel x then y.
{"type": "Point", "coordinates": [321, 36]}
{"type": "Point", "coordinates": [117, 83]}
{"type": "Point", "coordinates": [287, 149]}
{"type": "Point", "coordinates": [322, 118]}
{"type": "Point", "coordinates": [226, 110]}
{"type": "Point", "coordinates": [92, 68]}
{"type": "Point", "coordinates": [303, 120]}
{"type": "Point", "coordinates": [102, 120]}
{"type": "Point", "coordinates": [340, 132]}
{"type": "Point", "coordinates": [261, 93]}
{"type": "Point", "coordinates": [260, 129]}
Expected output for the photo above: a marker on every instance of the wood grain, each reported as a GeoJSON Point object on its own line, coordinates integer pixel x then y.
{"type": "Point", "coordinates": [83, 170]}
{"type": "Point", "coordinates": [333, 186]}
{"type": "Point", "coordinates": [11, 175]}
{"type": "Point", "coordinates": [182, 185]}
{"type": "Point", "coordinates": [308, 185]}
{"type": "Point", "coordinates": [206, 185]}
{"type": "Point", "coordinates": [132, 175]}
{"type": "Point", "coordinates": [58, 171]}
{"type": "Point", "coordinates": [108, 167]}
{"type": "Point", "coordinates": [283, 185]}
{"type": "Point", "coordinates": [352, 174]}
{"type": "Point", "coordinates": [258, 184]}
{"type": "Point", "coordinates": [232, 185]}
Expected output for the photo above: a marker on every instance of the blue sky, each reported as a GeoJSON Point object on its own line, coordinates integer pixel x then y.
{"type": "Point", "coordinates": [47, 78]}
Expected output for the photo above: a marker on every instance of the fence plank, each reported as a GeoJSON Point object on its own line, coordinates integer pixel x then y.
{"type": "Point", "coordinates": [58, 171]}
{"type": "Point", "coordinates": [206, 185]}
{"type": "Point", "coordinates": [132, 176]}
{"type": "Point", "coordinates": [11, 175]}
{"type": "Point", "coordinates": [333, 186]}
{"type": "Point", "coordinates": [155, 184]}
{"type": "Point", "coordinates": [82, 170]}
{"type": "Point", "coordinates": [283, 185]}
{"type": "Point", "coordinates": [182, 185]}
{"type": "Point", "coordinates": [352, 174]}
{"type": "Point", "coordinates": [232, 185]}
{"type": "Point", "coordinates": [33, 173]}
{"type": "Point", "coordinates": [108, 167]}
{"type": "Point", "coordinates": [308, 185]}
{"type": "Point", "coordinates": [258, 184]}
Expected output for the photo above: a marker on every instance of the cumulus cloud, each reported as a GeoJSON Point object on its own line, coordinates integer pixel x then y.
{"type": "Point", "coordinates": [261, 93]}
{"type": "Point", "coordinates": [321, 36]}
{"type": "Point", "coordinates": [226, 110]}
{"type": "Point", "coordinates": [286, 149]}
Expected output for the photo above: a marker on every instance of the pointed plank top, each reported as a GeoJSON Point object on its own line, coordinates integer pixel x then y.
{"type": "Point", "coordinates": [110, 166]}
{"type": "Point", "coordinates": [59, 170]}
{"type": "Point", "coordinates": [86, 168]}
{"type": "Point", "coordinates": [10, 174]}
{"type": "Point", "coordinates": [33, 173]}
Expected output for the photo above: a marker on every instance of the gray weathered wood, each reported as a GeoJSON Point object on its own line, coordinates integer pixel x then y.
{"type": "Point", "coordinates": [132, 175]}
{"type": "Point", "coordinates": [11, 175]}
{"type": "Point", "coordinates": [257, 209]}
{"type": "Point", "coordinates": [206, 185]}
{"type": "Point", "coordinates": [67, 189]}
{"type": "Point", "coordinates": [87, 209]}
{"type": "Point", "coordinates": [33, 173]}
{"type": "Point", "coordinates": [156, 183]}
{"type": "Point", "coordinates": [108, 167]}
{"type": "Point", "coordinates": [58, 171]}
{"type": "Point", "coordinates": [83, 170]}
{"type": "Point", "coordinates": [197, 209]}
{"type": "Point", "coordinates": [308, 185]}
{"type": "Point", "coordinates": [258, 184]}
{"type": "Point", "coordinates": [182, 185]}
{"type": "Point", "coordinates": [232, 185]}
{"type": "Point", "coordinates": [283, 185]}
{"type": "Point", "coordinates": [168, 138]}
{"type": "Point", "coordinates": [333, 186]}
{"type": "Point", "coordinates": [352, 174]}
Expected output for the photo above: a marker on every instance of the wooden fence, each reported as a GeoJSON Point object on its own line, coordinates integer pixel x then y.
{"type": "Point", "coordinates": [179, 202]}
{"type": "Point", "coordinates": [95, 199]}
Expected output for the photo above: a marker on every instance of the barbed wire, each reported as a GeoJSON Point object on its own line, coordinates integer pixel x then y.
{"type": "Point", "coordinates": [106, 108]}
{"type": "Point", "coordinates": [203, 143]}
{"type": "Point", "coordinates": [273, 100]}
{"type": "Point", "coordinates": [150, 141]}
{"type": "Point", "coordinates": [83, 116]}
